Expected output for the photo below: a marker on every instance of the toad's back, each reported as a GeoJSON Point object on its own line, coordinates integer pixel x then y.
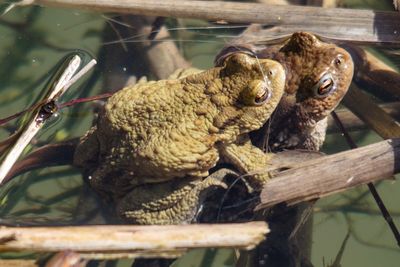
{"type": "Point", "coordinates": [158, 131]}
{"type": "Point", "coordinates": [166, 127]}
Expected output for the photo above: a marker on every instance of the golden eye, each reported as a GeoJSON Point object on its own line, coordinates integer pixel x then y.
{"type": "Point", "coordinates": [262, 96]}
{"type": "Point", "coordinates": [325, 86]}
{"type": "Point", "coordinates": [256, 93]}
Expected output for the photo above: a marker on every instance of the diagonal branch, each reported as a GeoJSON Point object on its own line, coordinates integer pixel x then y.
{"type": "Point", "coordinates": [331, 174]}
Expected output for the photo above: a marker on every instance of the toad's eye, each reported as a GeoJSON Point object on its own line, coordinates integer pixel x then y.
{"type": "Point", "coordinates": [325, 86]}
{"type": "Point", "coordinates": [262, 95]}
{"type": "Point", "coordinates": [338, 60]}
{"type": "Point", "coordinates": [257, 93]}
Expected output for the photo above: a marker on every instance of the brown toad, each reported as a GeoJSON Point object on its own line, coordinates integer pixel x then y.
{"type": "Point", "coordinates": [155, 142]}
{"type": "Point", "coordinates": [318, 75]}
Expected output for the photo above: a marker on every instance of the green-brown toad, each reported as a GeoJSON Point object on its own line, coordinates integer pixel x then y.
{"type": "Point", "coordinates": [155, 142]}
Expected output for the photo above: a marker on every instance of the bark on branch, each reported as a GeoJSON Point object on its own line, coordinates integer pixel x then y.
{"type": "Point", "coordinates": [331, 174]}
{"type": "Point", "coordinates": [343, 24]}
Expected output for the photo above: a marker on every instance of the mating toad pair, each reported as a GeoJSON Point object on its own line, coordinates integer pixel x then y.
{"type": "Point", "coordinates": [154, 143]}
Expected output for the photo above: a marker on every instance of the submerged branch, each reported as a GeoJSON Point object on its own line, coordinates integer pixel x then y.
{"type": "Point", "coordinates": [364, 26]}
{"type": "Point", "coordinates": [332, 174]}
{"type": "Point", "coordinates": [138, 241]}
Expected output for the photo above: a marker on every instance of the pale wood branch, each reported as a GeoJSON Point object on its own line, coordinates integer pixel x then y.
{"type": "Point", "coordinates": [331, 174]}
{"type": "Point", "coordinates": [143, 241]}
{"type": "Point", "coordinates": [336, 23]}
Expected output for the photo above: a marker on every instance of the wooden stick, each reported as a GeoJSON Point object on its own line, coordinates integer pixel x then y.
{"type": "Point", "coordinates": [363, 106]}
{"type": "Point", "coordinates": [331, 174]}
{"type": "Point", "coordinates": [372, 73]}
{"type": "Point", "coordinates": [155, 241]}
{"type": "Point", "coordinates": [352, 123]}
{"type": "Point", "coordinates": [343, 24]}
{"type": "Point", "coordinates": [18, 263]}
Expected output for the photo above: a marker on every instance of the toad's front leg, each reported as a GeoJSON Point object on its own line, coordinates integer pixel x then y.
{"type": "Point", "coordinates": [171, 202]}
{"type": "Point", "coordinates": [250, 161]}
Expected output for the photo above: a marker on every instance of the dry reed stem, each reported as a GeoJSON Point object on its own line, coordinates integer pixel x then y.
{"type": "Point", "coordinates": [337, 23]}
{"type": "Point", "coordinates": [17, 263]}
{"type": "Point", "coordinates": [143, 241]}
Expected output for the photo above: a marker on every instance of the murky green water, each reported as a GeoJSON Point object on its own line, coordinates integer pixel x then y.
{"type": "Point", "coordinates": [33, 40]}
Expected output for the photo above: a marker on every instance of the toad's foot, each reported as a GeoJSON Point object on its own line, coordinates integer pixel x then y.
{"type": "Point", "coordinates": [165, 203]}
{"type": "Point", "coordinates": [251, 161]}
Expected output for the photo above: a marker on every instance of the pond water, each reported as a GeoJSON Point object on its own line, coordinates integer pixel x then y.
{"type": "Point", "coordinates": [34, 39]}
